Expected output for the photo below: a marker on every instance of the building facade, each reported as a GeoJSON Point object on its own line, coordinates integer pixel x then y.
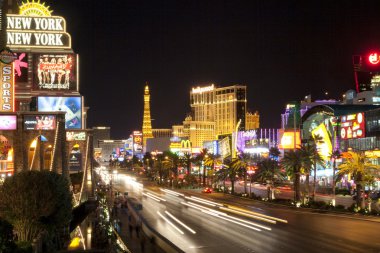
{"type": "Point", "coordinates": [226, 106]}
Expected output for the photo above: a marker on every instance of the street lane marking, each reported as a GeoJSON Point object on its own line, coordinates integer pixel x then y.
{"type": "Point", "coordinates": [170, 223]}
{"type": "Point", "coordinates": [180, 222]}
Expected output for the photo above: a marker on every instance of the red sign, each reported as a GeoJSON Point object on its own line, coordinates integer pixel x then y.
{"type": "Point", "coordinates": [374, 58]}
{"type": "Point", "coordinates": [352, 126]}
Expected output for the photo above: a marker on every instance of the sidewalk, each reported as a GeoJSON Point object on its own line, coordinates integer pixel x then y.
{"type": "Point", "coordinates": [131, 234]}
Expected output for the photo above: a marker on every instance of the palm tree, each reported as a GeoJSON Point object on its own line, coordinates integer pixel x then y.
{"type": "Point", "coordinates": [210, 161]}
{"type": "Point", "coordinates": [315, 158]}
{"type": "Point", "coordinates": [221, 175]}
{"type": "Point", "coordinates": [310, 159]}
{"type": "Point", "coordinates": [240, 164]}
{"type": "Point", "coordinates": [200, 161]}
{"type": "Point", "coordinates": [335, 155]}
{"type": "Point", "coordinates": [292, 162]}
{"type": "Point", "coordinates": [186, 161]}
{"type": "Point", "coordinates": [274, 153]}
{"type": "Point", "coordinates": [232, 171]}
{"type": "Point", "coordinates": [357, 164]}
{"type": "Point", "coordinates": [171, 163]}
{"type": "Point", "coordinates": [269, 172]}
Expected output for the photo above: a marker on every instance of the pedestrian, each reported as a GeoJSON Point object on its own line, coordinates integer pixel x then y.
{"type": "Point", "coordinates": [142, 243]}
{"type": "Point", "coordinates": [137, 227]}
{"type": "Point", "coordinates": [130, 230]}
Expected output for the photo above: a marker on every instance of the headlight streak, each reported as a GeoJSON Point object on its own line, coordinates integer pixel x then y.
{"type": "Point", "coordinates": [233, 221]}
{"type": "Point", "coordinates": [170, 223]}
{"type": "Point", "coordinates": [200, 201]}
{"type": "Point", "coordinates": [227, 217]}
{"type": "Point", "coordinates": [172, 192]}
{"type": "Point", "coordinates": [247, 215]}
{"type": "Point", "coordinates": [184, 225]}
{"type": "Point", "coordinates": [258, 214]}
{"type": "Point", "coordinates": [208, 201]}
{"type": "Point", "coordinates": [154, 198]}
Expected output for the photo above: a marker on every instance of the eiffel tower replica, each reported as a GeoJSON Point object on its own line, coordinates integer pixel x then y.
{"type": "Point", "coordinates": [147, 122]}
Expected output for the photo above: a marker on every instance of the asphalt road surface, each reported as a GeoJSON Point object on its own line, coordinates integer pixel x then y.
{"type": "Point", "coordinates": [239, 225]}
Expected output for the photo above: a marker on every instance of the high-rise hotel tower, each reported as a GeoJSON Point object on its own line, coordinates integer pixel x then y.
{"type": "Point", "coordinates": [225, 106]}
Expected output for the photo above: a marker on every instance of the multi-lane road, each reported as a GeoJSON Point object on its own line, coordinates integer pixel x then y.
{"type": "Point", "coordinates": [214, 222]}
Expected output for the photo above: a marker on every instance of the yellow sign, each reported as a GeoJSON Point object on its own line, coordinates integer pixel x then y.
{"type": "Point", "coordinates": [35, 9]}
{"type": "Point", "coordinates": [287, 140]}
{"type": "Point", "coordinates": [324, 146]}
{"type": "Point", "coordinates": [185, 144]}
{"type": "Point", "coordinates": [7, 87]}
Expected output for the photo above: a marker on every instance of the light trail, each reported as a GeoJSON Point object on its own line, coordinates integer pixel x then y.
{"type": "Point", "coordinates": [211, 202]}
{"type": "Point", "coordinates": [172, 192]}
{"type": "Point", "coordinates": [200, 201]}
{"type": "Point", "coordinates": [248, 215]}
{"type": "Point", "coordinates": [180, 222]}
{"type": "Point", "coordinates": [225, 216]}
{"type": "Point", "coordinates": [154, 198]}
{"type": "Point", "coordinates": [233, 221]}
{"type": "Point", "coordinates": [170, 223]}
{"type": "Point", "coordinates": [258, 214]}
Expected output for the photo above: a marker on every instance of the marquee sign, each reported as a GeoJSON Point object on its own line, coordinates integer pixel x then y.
{"type": "Point", "coordinates": [35, 27]}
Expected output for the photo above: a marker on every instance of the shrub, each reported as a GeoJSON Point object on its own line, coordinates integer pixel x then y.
{"type": "Point", "coordinates": [340, 207]}
{"type": "Point", "coordinates": [343, 191]}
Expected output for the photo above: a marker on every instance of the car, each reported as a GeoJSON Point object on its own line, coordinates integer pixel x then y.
{"type": "Point", "coordinates": [207, 190]}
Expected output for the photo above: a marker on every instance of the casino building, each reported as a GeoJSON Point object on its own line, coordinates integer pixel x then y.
{"type": "Point", "coordinates": [42, 113]}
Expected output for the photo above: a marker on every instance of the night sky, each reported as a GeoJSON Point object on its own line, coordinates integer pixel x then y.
{"type": "Point", "coordinates": [282, 51]}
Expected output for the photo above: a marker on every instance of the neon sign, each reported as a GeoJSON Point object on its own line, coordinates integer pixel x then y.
{"type": "Point", "coordinates": [374, 58]}
{"type": "Point", "coordinates": [7, 88]}
{"type": "Point", "coordinates": [203, 89]}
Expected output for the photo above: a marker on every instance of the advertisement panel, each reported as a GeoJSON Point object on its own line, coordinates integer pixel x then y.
{"type": "Point", "coordinates": [225, 147]}
{"type": "Point", "coordinates": [75, 161]}
{"type": "Point", "coordinates": [21, 67]}
{"type": "Point", "coordinates": [39, 122]}
{"type": "Point", "coordinates": [137, 142]}
{"type": "Point", "coordinates": [7, 88]}
{"type": "Point", "coordinates": [71, 105]}
{"type": "Point", "coordinates": [352, 126]}
{"type": "Point", "coordinates": [287, 139]}
{"type": "Point", "coordinates": [8, 122]}
{"type": "Point", "coordinates": [75, 136]}
{"type": "Point", "coordinates": [55, 72]}
{"type": "Point", "coordinates": [324, 146]}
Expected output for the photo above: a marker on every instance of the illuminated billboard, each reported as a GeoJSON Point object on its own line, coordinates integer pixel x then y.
{"type": "Point", "coordinates": [137, 142]}
{"type": "Point", "coordinates": [71, 105]}
{"type": "Point", "coordinates": [324, 145]}
{"type": "Point", "coordinates": [21, 67]}
{"type": "Point", "coordinates": [225, 147]}
{"type": "Point", "coordinates": [352, 126]}
{"type": "Point", "coordinates": [75, 136]}
{"type": "Point", "coordinates": [8, 122]}
{"type": "Point", "coordinates": [7, 88]}
{"type": "Point", "coordinates": [55, 72]}
{"type": "Point", "coordinates": [36, 29]}
{"type": "Point", "coordinates": [287, 139]}
{"type": "Point", "coordinates": [39, 122]}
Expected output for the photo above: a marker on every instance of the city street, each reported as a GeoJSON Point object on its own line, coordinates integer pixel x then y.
{"type": "Point", "coordinates": [209, 230]}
